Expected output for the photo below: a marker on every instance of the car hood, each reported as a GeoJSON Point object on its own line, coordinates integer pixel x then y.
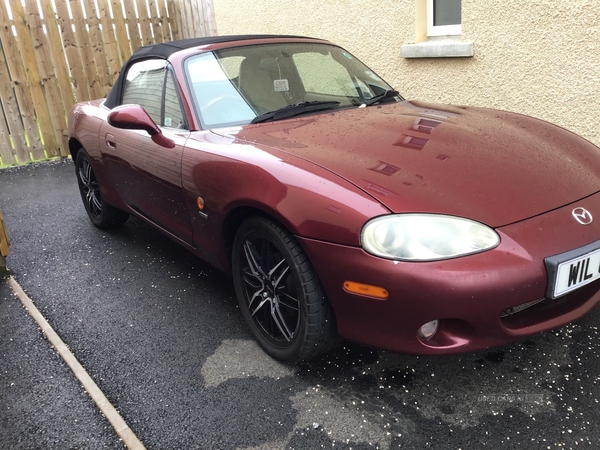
{"type": "Point", "coordinates": [491, 166]}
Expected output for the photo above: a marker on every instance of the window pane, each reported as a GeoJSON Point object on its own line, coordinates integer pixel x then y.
{"type": "Point", "coordinates": [173, 114]}
{"type": "Point", "coordinates": [215, 83]}
{"type": "Point", "coordinates": [235, 85]}
{"type": "Point", "coordinates": [324, 75]}
{"type": "Point", "coordinates": [446, 12]}
{"type": "Point", "coordinates": [144, 86]}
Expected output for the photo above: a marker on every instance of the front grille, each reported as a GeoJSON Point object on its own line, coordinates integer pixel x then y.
{"type": "Point", "coordinates": [519, 308]}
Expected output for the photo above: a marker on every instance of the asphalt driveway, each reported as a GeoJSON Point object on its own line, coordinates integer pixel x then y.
{"type": "Point", "coordinates": [160, 332]}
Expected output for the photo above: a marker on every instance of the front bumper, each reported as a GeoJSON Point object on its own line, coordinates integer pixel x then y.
{"type": "Point", "coordinates": [481, 300]}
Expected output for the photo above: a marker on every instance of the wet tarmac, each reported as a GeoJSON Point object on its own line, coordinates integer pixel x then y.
{"type": "Point", "coordinates": [161, 334]}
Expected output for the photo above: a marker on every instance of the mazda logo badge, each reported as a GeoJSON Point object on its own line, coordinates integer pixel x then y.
{"type": "Point", "coordinates": [583, 216]}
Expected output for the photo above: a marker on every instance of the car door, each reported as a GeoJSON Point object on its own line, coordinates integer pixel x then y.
{"type": "Point", "coordinates": [147, 175]}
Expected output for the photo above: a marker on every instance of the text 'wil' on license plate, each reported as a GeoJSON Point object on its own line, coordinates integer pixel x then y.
{"type": "Point", "coordinates": [577, 272]}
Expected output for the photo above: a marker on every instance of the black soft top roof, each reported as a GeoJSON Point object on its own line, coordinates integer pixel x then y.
{"type": "Point", "coordinates": [166, 49]}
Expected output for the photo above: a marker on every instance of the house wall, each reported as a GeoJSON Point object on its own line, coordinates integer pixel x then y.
{"type": "Point", "coordinates": [538, 58]}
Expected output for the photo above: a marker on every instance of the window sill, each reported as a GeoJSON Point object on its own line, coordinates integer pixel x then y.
{"type": "Point", "coordinates": [439, 47]}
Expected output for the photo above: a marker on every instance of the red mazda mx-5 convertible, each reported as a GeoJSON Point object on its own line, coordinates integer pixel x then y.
{"type": "Point", "coordinates": [339, 208]}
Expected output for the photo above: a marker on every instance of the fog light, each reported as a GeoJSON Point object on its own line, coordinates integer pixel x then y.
{"type": "Point", "coordinates": [429, 329]}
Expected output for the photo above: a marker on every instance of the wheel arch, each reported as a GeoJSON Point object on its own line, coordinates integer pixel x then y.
{"type": "Point", "coordinates": [108, 192]}
{"type": "Point", "coordinates": [318, 331]}
{"type": "Point", "coordinates": [74, 147]}
{"type": "Point", "coordinates": [234, 219]}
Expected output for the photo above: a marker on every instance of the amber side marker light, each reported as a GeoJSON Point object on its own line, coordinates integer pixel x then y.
{"type": "Point", "coordinates": [201, 204]}
{"type": "Point", "coordinates": [367, 290]}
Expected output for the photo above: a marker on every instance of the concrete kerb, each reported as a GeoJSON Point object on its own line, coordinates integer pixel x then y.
{"type": "Point", "coordinates": [107, 409]}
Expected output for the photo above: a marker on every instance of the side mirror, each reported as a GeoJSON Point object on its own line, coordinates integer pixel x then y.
{"type": "Point", "coordinates": [134, 117]}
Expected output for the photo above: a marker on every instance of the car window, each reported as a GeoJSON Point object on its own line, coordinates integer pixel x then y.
{"type": "Point", "coordinates": [235, 86]}
{"type": "Point", "coordinates": [173, 115]}
{"type": "Point", "coordinates": [146, 84]}
{"type": "Point", "coordinates": [215, 90]}
{"type": "Point", "coordinates": [322, 74]}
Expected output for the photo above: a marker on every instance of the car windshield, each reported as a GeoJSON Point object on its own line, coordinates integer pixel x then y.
{"type": "Point", "coordinates": [247, 84]}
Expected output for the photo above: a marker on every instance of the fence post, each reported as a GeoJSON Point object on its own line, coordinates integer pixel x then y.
{"type": "Point", "coordinates": [4, 247]}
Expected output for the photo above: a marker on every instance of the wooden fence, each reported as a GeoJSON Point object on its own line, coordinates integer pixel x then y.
{"type": "Point", "coordinates": [54, 53]}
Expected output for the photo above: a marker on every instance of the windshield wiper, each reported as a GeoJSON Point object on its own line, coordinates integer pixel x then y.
{"type": "Point", "coordinates": [295, 110]}
{"type": "Point", "coordinates": [388, 93]}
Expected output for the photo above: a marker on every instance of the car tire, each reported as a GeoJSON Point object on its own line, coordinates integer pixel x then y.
{"type": "Point", "coordinates": [279, 293]}
{"type": "Point", "coordinates": [101, 214]}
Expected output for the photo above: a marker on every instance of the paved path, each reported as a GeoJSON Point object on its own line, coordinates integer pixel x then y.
{"type": "Point", "coordinates": [160, 333]}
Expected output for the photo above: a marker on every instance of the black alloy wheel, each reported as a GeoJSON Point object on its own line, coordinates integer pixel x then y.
{"type": "Point", "coordinates": [279, 292]}
{"type": "Point", "coordinates": [101, 214]}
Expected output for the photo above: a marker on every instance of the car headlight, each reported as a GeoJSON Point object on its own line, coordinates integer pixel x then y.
{"type": "Point", "coordinates": [425, 237]}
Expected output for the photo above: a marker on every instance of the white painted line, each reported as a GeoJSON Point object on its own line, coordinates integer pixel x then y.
{"type": "Point", "coordinates": [109, 411]}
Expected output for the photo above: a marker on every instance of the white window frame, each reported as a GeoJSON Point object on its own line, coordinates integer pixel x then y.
{"type": "Point", "coordinates": [440, 30]}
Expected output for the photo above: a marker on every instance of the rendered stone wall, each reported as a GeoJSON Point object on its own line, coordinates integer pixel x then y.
{"type": "Point", "coordinates": [538, 58]}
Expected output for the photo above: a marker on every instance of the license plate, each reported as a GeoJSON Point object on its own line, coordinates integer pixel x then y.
{"type": "Point", "coordinates": [574, 272]}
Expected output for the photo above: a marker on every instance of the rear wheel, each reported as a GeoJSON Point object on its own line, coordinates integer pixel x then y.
{"type": "Point", "coordinates": [100, 213]}
{"type": "Point", "coordinates": [279, 292]}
